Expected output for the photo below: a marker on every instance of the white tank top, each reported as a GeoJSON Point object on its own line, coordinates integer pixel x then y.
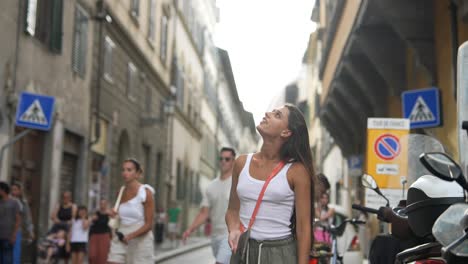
{"type": "Point", "coordinates": [274, 215]}
{"type": "Point", "coordinates": [78, 234]}
{"type": "Point", "coordinates": [132, 211]}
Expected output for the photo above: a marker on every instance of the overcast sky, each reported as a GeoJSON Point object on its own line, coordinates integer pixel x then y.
{"type": "Point", "coordinates": [266, 40]}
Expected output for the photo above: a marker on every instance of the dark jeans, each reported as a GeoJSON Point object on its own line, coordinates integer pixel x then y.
{"type": "Point", "coordinates": [6, 252]}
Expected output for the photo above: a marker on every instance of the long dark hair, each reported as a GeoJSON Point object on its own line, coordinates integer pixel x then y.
{"type": "Point", "coordinates": [297, 149]}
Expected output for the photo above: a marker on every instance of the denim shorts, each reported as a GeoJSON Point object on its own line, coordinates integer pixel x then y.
{"type": "Point", "coordinates": [221, 250]}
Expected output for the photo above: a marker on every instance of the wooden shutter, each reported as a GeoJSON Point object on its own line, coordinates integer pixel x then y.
{"type": "Point", "coordinates": [80, 40]}
{"type": "Point", "coordinates": [56, 26]}
{"type": "Point", "coordinates": [151, 20]}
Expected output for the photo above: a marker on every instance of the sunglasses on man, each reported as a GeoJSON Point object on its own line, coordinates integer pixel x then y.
{"type": "Point", "coordinates": [227, 159]}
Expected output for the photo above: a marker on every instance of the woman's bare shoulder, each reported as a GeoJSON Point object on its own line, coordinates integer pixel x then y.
{"type": "Point", "coordinates": [241, 159]}
{"type": "Point", "coordinates": [298, 172]}
{"type": "Point", "coordinates": [239, 163]}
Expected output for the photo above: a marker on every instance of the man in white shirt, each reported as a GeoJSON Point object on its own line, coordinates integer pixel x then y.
{"type": "Point", "coordinates": [214, 205]}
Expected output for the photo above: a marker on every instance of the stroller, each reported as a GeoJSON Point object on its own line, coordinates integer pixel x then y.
{"type": "Point", "coordinates": [52, 247]}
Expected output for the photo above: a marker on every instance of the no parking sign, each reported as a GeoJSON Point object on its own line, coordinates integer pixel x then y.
{"type": "Point", "coordinates": [386, 157]}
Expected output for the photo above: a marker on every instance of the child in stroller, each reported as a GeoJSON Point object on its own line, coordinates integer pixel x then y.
{"type": "Point", "coordinates": [51, 247]}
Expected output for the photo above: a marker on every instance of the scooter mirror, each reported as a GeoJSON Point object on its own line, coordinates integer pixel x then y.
{"type": "Point", "coordinates": [442, 166]}
{"type": "Point", "coordinates": [368, 182]}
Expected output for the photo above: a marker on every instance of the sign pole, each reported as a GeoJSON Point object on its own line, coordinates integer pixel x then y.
{"type": "Point", "coordinates": [11, 142]}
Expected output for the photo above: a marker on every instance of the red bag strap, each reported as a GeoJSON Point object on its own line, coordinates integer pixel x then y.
{"type": "Point", "coordinates": [262, 192]}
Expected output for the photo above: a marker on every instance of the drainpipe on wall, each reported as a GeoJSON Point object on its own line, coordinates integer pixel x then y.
{"type": "Point", "coordinates": [101, 18]}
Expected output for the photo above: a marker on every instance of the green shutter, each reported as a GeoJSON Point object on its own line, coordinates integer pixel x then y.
{"type": "Point", "coordinates": [57, 26]}
{"type": "Point", "coordinates": [83, 44]}
{"type": "Point", "coordinates": [80, 41]}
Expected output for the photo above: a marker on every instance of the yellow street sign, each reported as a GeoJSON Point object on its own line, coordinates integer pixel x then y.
{"type": "Point", "coordinates": [387, 152]}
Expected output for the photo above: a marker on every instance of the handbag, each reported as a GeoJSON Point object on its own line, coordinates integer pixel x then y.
{"type": "Point", "coordinates": [114, 222]}
{"type": "Point", "coordinates": [241, 254]}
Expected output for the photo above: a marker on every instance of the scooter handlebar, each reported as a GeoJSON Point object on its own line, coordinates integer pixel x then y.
{"type": "Point", "coordinates": [365, 209]}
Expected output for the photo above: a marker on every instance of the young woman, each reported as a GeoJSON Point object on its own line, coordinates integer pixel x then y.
{"type": "Point", "coordinates": [99, 235]}
{"type": "Point", "coordinates": [136, 213]}
{"type": "Point", "coordinates": [64, 213]}
{"type": "Point", "coordinates": [281, 232]}
{"type": "Point", "coordinates": [62, 216]}
{"type": "Point", "coordinates": [79, 235]}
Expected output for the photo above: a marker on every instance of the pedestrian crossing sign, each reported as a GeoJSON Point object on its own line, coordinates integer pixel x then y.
{"type": "Point", "coordinates": [422, 107]}
{"type": "Point", "coordinates": [35, 111]}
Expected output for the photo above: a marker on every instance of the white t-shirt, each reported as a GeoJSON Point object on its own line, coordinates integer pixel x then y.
{"type": "Point", "coordinates": [216, 198]}
{"type": "Point", "coordinates": [132, 211]}
{"type": "Point", "coordinates": [78, 233]}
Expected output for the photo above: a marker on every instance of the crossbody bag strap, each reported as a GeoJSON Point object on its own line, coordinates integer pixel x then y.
{"type": "Point", "coordinates": [262, 192]}
{"type": "Point", "coordinates": [119, 197]}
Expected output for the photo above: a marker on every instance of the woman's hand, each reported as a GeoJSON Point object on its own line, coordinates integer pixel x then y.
{"type": "Point", "coordinates": [234, 239]}
{"type": "Point", "coordinates": [127, 238]}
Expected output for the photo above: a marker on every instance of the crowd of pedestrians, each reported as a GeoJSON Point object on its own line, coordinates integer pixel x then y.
{"type": "Point", "coordinates": [280, 177]}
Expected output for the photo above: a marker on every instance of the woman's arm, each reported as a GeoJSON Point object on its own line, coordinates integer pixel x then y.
{"type": "Point", "coordinates": [301, 187]}
{"type": "Point", "coordinates": [232, 214]}
{"type": "Point", "coordinates": [86, 223]}
{"type": "Point", "coordinates": [74, 212]}
{"type": "Point", "coordinates": [149, 217]}
{"type": "Point", "coordinates": [53, 215]}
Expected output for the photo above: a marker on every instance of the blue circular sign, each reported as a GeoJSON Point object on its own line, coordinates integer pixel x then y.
{"type": "Point", "coordinates": [387, 147]}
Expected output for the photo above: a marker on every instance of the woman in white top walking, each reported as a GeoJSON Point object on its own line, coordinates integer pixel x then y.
{"type": "Point", "coordinates": [281, 232]}
{"type": "Point", "coordinates": [136, 214]}
{"type": "Point", "coordinates": [79, 235]}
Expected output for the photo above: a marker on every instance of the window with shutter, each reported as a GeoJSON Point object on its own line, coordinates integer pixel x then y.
{"type": "Point", "coordinates": [80, 41]}
{"type": "Point", "coordinates": [180, 88]}
{"type": "Point", "coordinates": [135, 8]}
{"type": "Point", "coordinates": [163, 49]}
{"type": "Point", "coordinates": [149, 99]}
{"type": "Point", "coordinates": [151, 21]}
{"type": "Point", "coordinates": [108, 50]}
{"type": "Point", "coordinates": [31, 10]}
{"type": "Point", "coordinates": [132, 81]}
{"type": "Point", "coordinates": [44, 20]}
{"type": "Point", "coordinates": [56, 26]}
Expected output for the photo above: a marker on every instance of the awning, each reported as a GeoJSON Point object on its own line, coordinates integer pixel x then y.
{"type": "Point", "coordinates": [373, 66]}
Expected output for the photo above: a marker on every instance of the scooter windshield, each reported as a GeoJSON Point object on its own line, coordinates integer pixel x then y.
{"type": "Point", "coordinates": [416, 145]}
{"type": "Point", "coordinates": [448, 228]}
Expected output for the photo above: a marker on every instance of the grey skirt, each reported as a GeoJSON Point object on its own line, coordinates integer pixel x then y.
{"type": "Point", "coordinates": [282, 251]}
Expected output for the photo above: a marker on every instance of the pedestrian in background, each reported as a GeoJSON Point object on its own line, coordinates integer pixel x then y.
{"type": "Point", "coordinates": [27, 227]}
{"type": "Point", "coordinates": [64, 212]}
{"type": "Point", "coordinates": [214, 205]}
{"type": "Point", "coordinates": [79, 235]}
{"type": "Point", "coordinates": [325, 216]}
{"type": "Point", "coordinates": [134, 241]}
{"type": "Point", "coordinates": [62, 216]}
{"type": "Point", "coordinates": [173, 222]}
{"type": "Point", "coordinates": [323, 185]}
{"type": "Point", "coordinates": [99, 234]}
{"type": "Point", "coordinates": [161, 220]}
{"type": "Point", "coordinates": [9, 223]}
{"type": "Point", "coordinates": [281, 232]}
